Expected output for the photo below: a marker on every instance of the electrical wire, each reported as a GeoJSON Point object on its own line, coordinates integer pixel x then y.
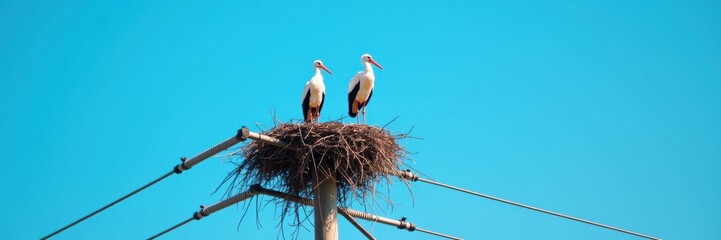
{"type": "Point", "coordinates": [207, 211]}
{"type": "Point", "coordinates": [109, 205]}
{"type": "Point", "coordinates": [437, 234]}
{"type": "Point", "coordinates": [412, 177]}
{"type": "Point", "coordinates": [401, 224]}
{"type": "Point", "coordinates": [186, 164]}
{"type": "Point", "coordinates": [355, 223]}
{"type": "Point", "coordinates": [171, 228]}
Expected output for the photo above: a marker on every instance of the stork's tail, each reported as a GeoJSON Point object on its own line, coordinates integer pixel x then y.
{"type": "Point", "coordinates": [350, 108]}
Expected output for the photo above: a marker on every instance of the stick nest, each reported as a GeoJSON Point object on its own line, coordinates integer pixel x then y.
{"type": "Point", "coordinates": [356, 157]}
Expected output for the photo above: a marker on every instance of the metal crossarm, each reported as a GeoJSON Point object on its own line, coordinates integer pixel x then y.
{"type": "Point", "coordinates": [356, 224]}
{"type": "Point", "coordinates": [206, 211]}
{"type": "Point", "coordinates": [266, 139]}
{"type": "Point", "coordinates": [401, 224]}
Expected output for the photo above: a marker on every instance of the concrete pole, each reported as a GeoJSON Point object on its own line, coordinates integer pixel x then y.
{"type": "Point", "coordinates": [325, 206]}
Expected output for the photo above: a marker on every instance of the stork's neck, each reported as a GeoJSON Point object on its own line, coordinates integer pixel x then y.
{"type": "Point", "coordinates": [317, 72]}
{"type": "Point", "coordinates": [369, 68]}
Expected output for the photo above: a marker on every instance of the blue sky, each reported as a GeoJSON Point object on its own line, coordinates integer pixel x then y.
{"type": "Point", "coordinates": [609, 111]}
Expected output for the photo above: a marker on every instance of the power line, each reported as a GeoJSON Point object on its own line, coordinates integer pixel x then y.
{"type": "Point", "coordinates": [401, 224]}
{"type": "Point", "coordinates": [257, 189]}
{"type": "Point", "coordinates": [244, 134]}
{"type": "Point", "coordinates": [109, 205]}
{"type": "Point", "coordinates": [206, 211]}
{"type": "Point", "coordinates": [171, 228]}
{"type": "Point", "coordinates": [241, 135]}
{"type": "Point", "coordinates": [413, 177]}
{"type": "Point", "coordinates": [356, 224]}
{"type": "Point", "coordinates": [435, 233]}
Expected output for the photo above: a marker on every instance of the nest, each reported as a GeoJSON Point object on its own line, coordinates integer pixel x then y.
{"type": "Point", "coordinates": [356, 157]}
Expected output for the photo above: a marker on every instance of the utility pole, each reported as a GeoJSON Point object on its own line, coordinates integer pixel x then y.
{"type": "Point", "coordinates": [325, 206]}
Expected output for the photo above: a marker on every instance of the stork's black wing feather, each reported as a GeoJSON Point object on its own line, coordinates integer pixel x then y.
{"type": "Point", "coordinates": [306, 105]}
{"type": "Point", "coordinates": [322, 100]}
{"type": "Point", "coordinates": [369, 98]}
{"type": "Point", "coordinates": [351, 99]}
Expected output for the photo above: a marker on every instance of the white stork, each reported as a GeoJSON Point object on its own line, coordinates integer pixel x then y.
{"type": "Point", "coordinates": [360, 88]}
{"type": "Point", "coordinates": [314, 93]}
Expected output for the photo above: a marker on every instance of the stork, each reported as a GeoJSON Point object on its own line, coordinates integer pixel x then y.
{"type": "Point", "coordinates": [360, 88]}
{"type": "Point", "coordinates": [314, 93]}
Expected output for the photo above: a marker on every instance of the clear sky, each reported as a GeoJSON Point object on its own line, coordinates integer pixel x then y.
{"type": "Point", "coordinates": [605, 110]}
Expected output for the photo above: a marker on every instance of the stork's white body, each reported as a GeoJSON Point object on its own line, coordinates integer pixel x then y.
{"type": "Point", "coordinates": [313, 94]}
{"type": "Point", "coordinates": [317, 90]}
{"type": "Point", "coordinates": [367, 81]}
{"type": "Point", "coordinates": [360, 89]}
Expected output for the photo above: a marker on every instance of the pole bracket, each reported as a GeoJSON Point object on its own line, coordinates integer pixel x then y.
{"type": "Point", "coordinates": [181, 167]}
{"type": "Point", "coordinates": [200, 214]}
{"type": "Point", "coordinates": [243, 134]}
{"type": "Point", "coordinates": [406, 225]}
{"type": "Point", "coordinates": [408, 175]}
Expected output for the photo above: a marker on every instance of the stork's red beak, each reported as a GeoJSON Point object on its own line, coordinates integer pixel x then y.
{"type": "Point", "coordinates": [375, 63]}
{"type": "Point", "coordinates": [323, 67]}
